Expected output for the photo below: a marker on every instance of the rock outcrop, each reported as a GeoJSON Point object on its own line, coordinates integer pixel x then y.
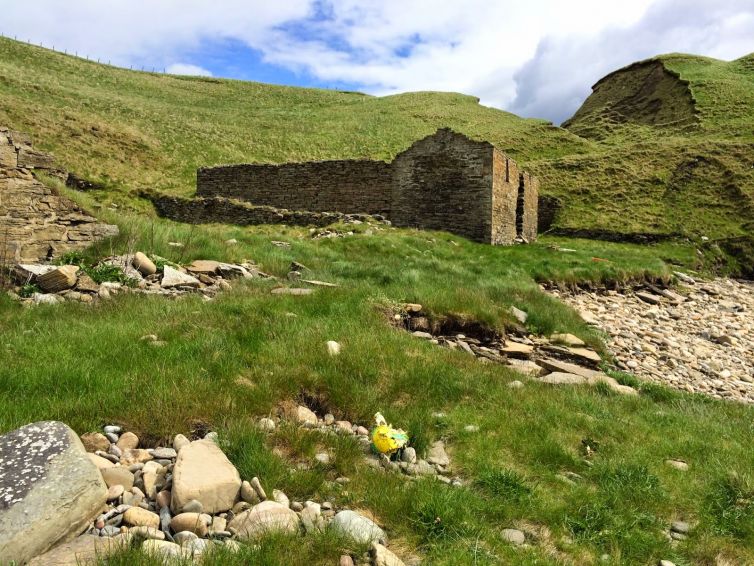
{"type": "Point", "coordinates": [49, 489]}
{"type": "Point", "coordinates": [37, 223]}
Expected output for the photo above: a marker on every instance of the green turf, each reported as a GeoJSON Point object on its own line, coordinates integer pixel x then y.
{"type": "Point", "coordinates": [133, 130]}
{"type": "Point", "coordinates": [230, 361]}
{"type": "Point", "coordinates": [87, 366]}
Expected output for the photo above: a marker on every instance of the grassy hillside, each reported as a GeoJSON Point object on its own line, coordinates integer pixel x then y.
{"type": "Point", "coordinates": [665, 152]}
{"type": "Point", "coordinates": [674, 137]}
{"type": "Point", "coordinates": [134, 129]}
{"type": "Point", "coordinates": [230, 361]}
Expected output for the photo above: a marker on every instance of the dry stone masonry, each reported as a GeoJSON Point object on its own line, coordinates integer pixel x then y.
{"type": "Point", "coordinates": [36, 223]}
{"type": "Point", "coordinates": [445, 181]}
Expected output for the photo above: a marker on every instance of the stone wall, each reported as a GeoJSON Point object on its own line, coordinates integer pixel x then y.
{"type": "Point", "coordinates": [351, 186]}
{"type": "Point", "coordinates": [222, 210]}
{"type": "Point", "coordinates": [505, 188]}
{"type": "Point", "coordinates": [36, 223]}
{"type": "Point", "coordinates": [444, 182]}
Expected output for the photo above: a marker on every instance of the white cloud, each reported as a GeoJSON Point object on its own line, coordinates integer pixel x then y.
{"type": "Point", "coordinates": [537, 57]}
{"type": "Point", "coordinates": [187, 69]}
{"type": "Point", "coordinates": [558, 78]}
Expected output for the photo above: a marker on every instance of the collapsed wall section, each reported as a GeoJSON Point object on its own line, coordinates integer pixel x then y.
{"type": "Point", "coordinates": [348, 186]}
{"type": "Point", "coordinates": [36, 223]}
{"type": "Point", "coordinates": [443, 182]}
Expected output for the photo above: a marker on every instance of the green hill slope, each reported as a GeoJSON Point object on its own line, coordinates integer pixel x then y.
{"type": "Point", "coordinates": [134, 129]}
{"type": "Point", "coordinates": [663, 148]}
{"type": "Point", "coordinates": [675, 154]}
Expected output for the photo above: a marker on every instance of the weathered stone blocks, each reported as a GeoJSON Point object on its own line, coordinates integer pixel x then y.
{"type": "Point", "coordinates": [38, 224]}
{"type": "Point", "coordinates": [445, 181]}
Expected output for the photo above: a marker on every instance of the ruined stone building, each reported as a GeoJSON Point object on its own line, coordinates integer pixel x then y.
{"type": "Point", "coordinates": [445, 181]}
{"type": "Point", "coordinates": [36, 223]}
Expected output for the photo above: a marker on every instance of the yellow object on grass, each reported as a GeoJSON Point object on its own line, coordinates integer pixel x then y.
{"type": "Point", "coordinates": [385, 438]}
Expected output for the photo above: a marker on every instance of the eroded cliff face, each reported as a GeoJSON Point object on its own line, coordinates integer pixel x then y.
{"type": "Point", "coordinates": [36, 223]}
{"type": "Point", "coordinates": [645, 93]}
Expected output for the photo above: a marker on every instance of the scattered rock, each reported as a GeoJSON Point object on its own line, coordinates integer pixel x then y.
{"type": "Point", "coordinates": [568, 340]}
{"type": "Point", "coordinates": [171, 277]}
{"type": "Point", "coordinates": [680, 527]}
{"type": "Point", "coordinates": [561, 378]}
{"type": "Point", "coordinates": [333, 348]}
{"type": "Point", "coordinates": [59, 279]}
{"type": "Point", "coordinates": [291, 291]}
{"type": "Point", "coordinates": [138, 517]}
{"type": "Point", "coordinates": [357, 527]}
{"type": "Point", "coordinates": [526, 367]}
{"type": "Point", "coordinates": [143, 264]}
{"type": "Point", "coordinates": [264, 518]}
{"type": "Point", "coordinates": [519, 315]}
{"type": "Point", "coordinates": [180, 442]}
{"type": "Point", "coordinates": [191, 522]}
{"type": "Point", "coordinates": [204, 473]}
{"type": "Point", "coordinates": [94, 441]}
{"type": "Point", "coordinates": [437, 454]}
{"type": "Point", "coordinates": [146, 533]}
{"type": "Point", "coordinates": [248, 494]}
{"type": "Point", "coordinates": [381, 556]}
{"type": "Point", "coordinates": [677, 464]}
{"type": "Point", "coordinates": [649, 298]}
{"type": "Point", "coordinates": [128, 441]}
{"type": "Point", "coordinates": [86, 549]}
{"type": "Point", "coordinates": [161, 549]}
{"type": "Point", "coordinates": [514, 536]}
{"type": "Point", "coordinates": [305, 416]}
{"type": "Point", "coordinates": [256, 485]}
{"type": "Point", "coordinates": [118, 475]}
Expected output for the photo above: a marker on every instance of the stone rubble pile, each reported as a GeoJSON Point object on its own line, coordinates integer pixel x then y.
{"type": "Point", "coordinates": [56, 284]}
{"type": "Point", "coordinates": [698, 339]}
{"type": "Point", "coordinates": [561, 359]}
{"type": "Point", "coordinates": [436, 465]}
{"type": "Point", "coordinates": [354, 219]}
{"type": "Point", "coordinates": [175, 502]}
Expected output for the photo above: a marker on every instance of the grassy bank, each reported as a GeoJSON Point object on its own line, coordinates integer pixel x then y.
{"type": "Point", "coordinates": [232, 360]}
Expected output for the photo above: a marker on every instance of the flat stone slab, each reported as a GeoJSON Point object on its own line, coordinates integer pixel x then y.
{"type": "Point", "coordinates": [319, 283]}
{"type": "Point", "coordinates": [171, 277]}
{"type": "Point", "coordinates": [203, 472]}
{"type": "Point", "coordinates": [49, 489]}
{"type": "Point", "coordinates": [565, 367]}
{"type": "Point", "coordinates": [561, 378]}
{"type": "Point", "coordinates": [291, 291]}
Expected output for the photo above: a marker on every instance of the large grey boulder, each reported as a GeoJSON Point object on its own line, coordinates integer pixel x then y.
{"type": "Point", "coordinates": [357, 527]}
{"type": "Point", "coordinates": [49, 489]}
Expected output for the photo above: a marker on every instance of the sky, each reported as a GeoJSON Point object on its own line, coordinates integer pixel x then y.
{"type": "Point", "coordinates": [537, 58]}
